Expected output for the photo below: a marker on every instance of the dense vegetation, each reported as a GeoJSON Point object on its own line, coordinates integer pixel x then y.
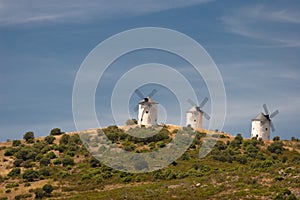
{"type": "Point", "coordinates": [236, 168]}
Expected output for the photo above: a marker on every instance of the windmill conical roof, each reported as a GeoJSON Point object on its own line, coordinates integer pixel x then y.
{"type": "Point", "coordinates": [194, 109]}
{"type": "Point", "coordinates": [149, 100]}
{"type": "Point", "coordinates": [261, 117]}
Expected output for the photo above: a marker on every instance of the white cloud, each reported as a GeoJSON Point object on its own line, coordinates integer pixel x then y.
{"type": "Point", "coordinates": [19, 12]}
{"type": "Point", "coordinates": [276, 26]}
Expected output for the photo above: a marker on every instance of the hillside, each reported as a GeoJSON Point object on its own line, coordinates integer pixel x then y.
{"type": "Point", "coordinates": [60, 167]}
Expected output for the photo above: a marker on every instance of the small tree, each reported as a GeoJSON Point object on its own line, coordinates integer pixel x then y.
{"type": "Point", "coordinates": [30, 175]}
{"type": "Point", "coordinates": [55, 131]}
{"type": "Point", "coordinates": [131, 122]}
{"type": "Point", "coordinates": [16, 143]}
{"type": "Point", "coordinates": [48, 188]}
{"type": "Point", "coordinates": [39, 193]}
{"type": "Point", "coordinates": [276, 138]}
{"type": "Point", "coordinates": [14, 172]}
{"type": "Point", "coordinates": [276, 147]}
{"type": "Point", "coordinates": [67, 161]}
{"type": "Point", "coordinates": [64, 139]}
{"type": "Point", "coordinates": [49, 139]}
{"type": "Point", "coordinates": [45, 161]}
{"type": "Point", "coordinates": [29, 137]}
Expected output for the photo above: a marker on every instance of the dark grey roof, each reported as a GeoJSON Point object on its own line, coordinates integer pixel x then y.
{"type": "Point", "coordinates": [261, 117]}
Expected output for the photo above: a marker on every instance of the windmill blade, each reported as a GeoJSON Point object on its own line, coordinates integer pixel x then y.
{"type": "Point", "coordinates": [203, 102]}
{"type": "Point", "coordinates": [272, 127]}
{"type": "Point", "coordinates": [206, 115]}
{"type": "Point", "coordinates": [152, 93]}
{"type": "Point", "coordinates": [191, 102]}
{"type": "Point", "coordinates": [274, 114]}
{"type": "Point", "coordinates": [139, 93]}
{"type": "Point", "coordinates": [266, 109]}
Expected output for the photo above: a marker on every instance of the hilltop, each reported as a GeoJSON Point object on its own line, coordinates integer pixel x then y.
{"type": "Point", "coordinates": [60, 167]}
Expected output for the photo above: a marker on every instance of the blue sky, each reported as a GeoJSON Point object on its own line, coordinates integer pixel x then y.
{"type": "Point", "coordinates": [255, 44]}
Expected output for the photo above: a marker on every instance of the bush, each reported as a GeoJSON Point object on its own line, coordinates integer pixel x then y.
{"type": "Point", "coordinates": [23, 196]}
{"type": "Point", "coordinates": [44, 161]}
{"type": "Point", "coordinates": [64, 139]}
{"type": "Point", "coordinates": [29, 137]}
{"type": "Point", "coordinates": [51, 155]}
{"type": "Point", "coordinates": [67, 161]}
{"type": "Point", "coordinates": [30, 175]}
{"type": "Point", "coordinates": [18, 162]}
{"type": "Point", "coordinates": [28, 164]}
{"type": "Point", "coordinates": [14, 172]}
{"type": "Point", "coordinates": [276, 147]}
{"type": "Point", "coordinates": [8, 152]}
{"type": "Point", "coordinates": [94, 162]}
{"type": "Point", "coordinates": [39, 193]}
{"type": "Point", "coordinates": [57, 161]}
{"type": "Point", "coordinates": [16, 143]}
{"type": "Point", "coordinates": [276, 138]}
{"type": "Point", "coordinates": [44, 172]}
{"type": "Point", "coordinates": [241, 159]}
{"type": "Point", "coordinates": [238, 140]}
{"type": "Point", "coordinates": [48, 188]}
{"type": "Point", "coordinates": [49, 139]}
{"type": "Point", "coordinates": [131, 122]}
{"type": "Point", "coordinates": [55, 131]}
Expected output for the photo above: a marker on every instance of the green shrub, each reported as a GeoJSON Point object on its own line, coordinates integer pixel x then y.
{"type": "Point", "coordinates": [12, 185]}
{"type": "Point", "coordinates": [30, 175]}
{"type": "Point", "coordinates": [238, 140]}
{"type": "Point", "coordinates": [44, 171]}
{"type": "Point", "coordinates": [18, 162]}
{"type": "Point", "coordinates": [67, 161]}
{"type": "Point", "coordinates": [23, 196]}
{"type": "Point", "coordinates": [27, 184]}
{"type": "Point", "coordinates": [94, 162]}
{"type": "Point", "coordinates": [49, 139]}
{"type": "Point", "coordinates": [48, 188]}
{"type": "Point", "coordinates": [161, 144]}
{"type": "Point", "coordinates": [39, 193]}
{"type": "Point", "coordinates": [64, 139]}
{"type": "Point", "coordinates": [29, 137]}
{"type": "Point", "coordinates": [131, 122]}
{"type": "Point", "coordinates": [57, 161]}
{"type": "Point", "coordinates": [55, 131]}
{"type": "Point", "coordinates": [241, 159]}
{"type": "Point", "coordinates": [9, 152]}
{"type": "Point", "coordinates": [14, 172]}
{"type": "Point", "coordinates": [44, 161]}
{"type": "Point", "coordinates": [276, 138]}
{"type": "Point", "coordinates": [51, 155]}
{"type": "Point", "coordinates": [16, 143]}
{"type": "Point", "coordinates": [276, 147]}
{"type": "Point", "coordinates": [28, 164]}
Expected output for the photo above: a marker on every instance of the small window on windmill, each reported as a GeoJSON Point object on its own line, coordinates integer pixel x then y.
{"type": "Point", "coordinates": [266, 129]}
{"type": "Point", "coordinates": [147, 111]}
{"type": "Point", "coordinates": [194, 120]}
{"type": "Point", "coordinates": [141, 119]}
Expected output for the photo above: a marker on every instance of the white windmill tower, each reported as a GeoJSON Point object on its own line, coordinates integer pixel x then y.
{"type": "Point", "coordinates": [195, 114]}
{"type": "Point", "coordinates": [260, 126]}
{"type": "Point", "coordinates": [147, 109]}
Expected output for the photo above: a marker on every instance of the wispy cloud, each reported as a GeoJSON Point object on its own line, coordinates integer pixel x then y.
{"type": "Point", "coordinates": [277, 26]}
{"type": "Point", "coordinates": [20, 12]}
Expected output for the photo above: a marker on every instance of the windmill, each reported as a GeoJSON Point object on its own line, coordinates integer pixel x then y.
{"type": "Point", "coordinates": [194, 115]}
{"type": "Point", "coordinates": [261, 124]}
{"type": "Point", "coordinates": [147, 109]}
